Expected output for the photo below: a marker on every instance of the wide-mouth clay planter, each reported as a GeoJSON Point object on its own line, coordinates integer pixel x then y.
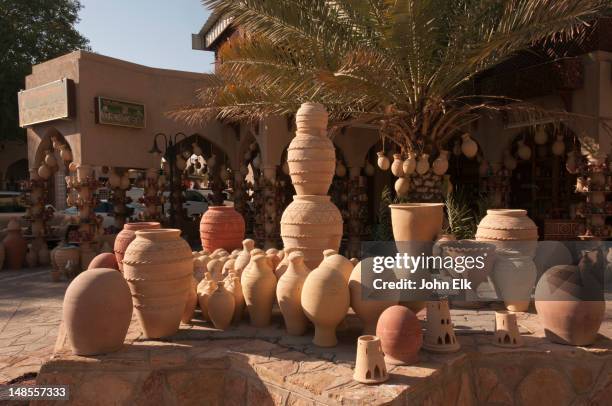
{"type": "Point", "coordinates": [370, 365]}
{"type": "Point", "coordinates": [221, 227]}
{"type": "Point", "coordinates": [509, 229]}
{"type": "Point", "coordinates": [127, 235]}
{"type": "Point", "coordinates": [416, 222]}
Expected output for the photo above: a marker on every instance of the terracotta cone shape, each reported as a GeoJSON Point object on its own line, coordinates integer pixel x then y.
{"type": "Point", "coordinates": [126, 236]}
{"type": "Point", "coordinates": [400, 333]}
{"type": "Point", "coordinates": [259, 289]}
{"type": "Point", "coordinates": [221, 227]}
{"type": "Point", "coordinates": [440, 333]}
{"type": "Point", "coordinates": [311, 224]}
{"type": "Point", "coordinates": [509, 229]}
{"type": "Point", "coordinates": [158, 267]}
{"type": "Point", "coordinates": [370, 365]}
{"type": "Point", "coordinates": [192, 302]}
{"type": "Point", "coordinates": [97, 311]}
{"type": "Point", "coordinates": [234, 286]}
{"type": "Point", "coordinates": [289, 294]}
{"type": "Point", "coordinates": [221, 306]}
{"type": "Point", "coordinates": [205, 288]}
{"type": "Point", "coordinates": [506, 330]}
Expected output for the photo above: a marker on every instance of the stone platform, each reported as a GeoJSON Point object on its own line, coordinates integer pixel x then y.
{"type": "Point", "coordinates": [248, 366]}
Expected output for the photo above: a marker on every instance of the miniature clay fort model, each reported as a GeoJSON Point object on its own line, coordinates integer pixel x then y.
{"type": "Point", "coordinates": [400, 333]}
{"type": "Point", "coordinates": [126, 236]}
{"type": "Point", "coordinates": [370, 365]}
{"type": "Point", "coordinates": [221, 227]}
{"type": "Point", "coordinates": [506, 330]}
{"type": "Point", "coordinates": [439, 334]}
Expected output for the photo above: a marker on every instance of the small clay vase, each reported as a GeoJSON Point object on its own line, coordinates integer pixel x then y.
{"type": "Point", "coordinates": [400, 333]}
{"type": "Point", "coordinates": [506, 330]}
{"type": "Point", "coordinates": [289, 294]}
{"type": "Point", "coordinates": [382, 161]}
{"type": "Point", "coordinates": [221, 304]}
{"type": "Point", "coordinates": [370, 365]}
{"type": "Point", "coordinates": [284, 263]}
{"type": "Point", "coordinates": [234, 286]}
{"type": "Point", "coordinates": [259, 288]}
{"type": "Point", "coordinates": [192, 302]}
{"type": "Point", "coordinates": [397, 166]}
{"type": "Point", "coordinates": [94, 324]}
{"type": "Point", "coordinates": [245, 255]}
{"type": "Point", "coordinates": [15, 245]}
{"type": "Point", "coordinates": [104, 260]}
{"type": "Point", "coordinates": [205, 288]}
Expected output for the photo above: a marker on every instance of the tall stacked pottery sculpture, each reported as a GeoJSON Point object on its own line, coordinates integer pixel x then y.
{"type": "Point", "coordinates": [158, 267]}
{"type": "Point", "coordinates": [221, 227]}
{"type": "Point", "coordinates": [311, 223]}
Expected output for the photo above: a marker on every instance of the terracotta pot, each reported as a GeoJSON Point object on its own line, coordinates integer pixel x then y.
{"type": "Point", "coordinates": [259, 288]}
{"type": "Point", "coordinates": [15, 246]}
{"type": "Point", "coordinates": [440, 164]}
{"type": "Point", "coordinates": [325, 300]}
{"type": "Point", "coordinates": [221, 227]}
{"type": "Point", "coordinates": [192, 302]}
{"type": "Point", "coordinates": [468, 146]}
{"type": "Point", "coordinates": [514, 277]}
{"type": "Point", "coordinates": [244, 256]}
{"type": "Point", "coordinates": [94, 323]}
{"type": "Point", "coordinates": [289, 294]}
{"type": "Point", "coordinates": [364, 300]}
{"type": "Point", "coordinates": [570, 302]}
{"type": "Point", "coordinates": [205, 288]}
{"type": "Point", "coordinates": [311, 224]}
{"type": "Point", "coordinates": [221, 306]}
{"type": "Point", "coordinates": [400, 334]}
{"type": "Point", "coordinates": [235, 287]}
{"type": "Point", "coordinates": [402, 186]}
{"type": "Point", "coordinates": [340, 263]}
{"type": "Point", "coordinates": [370, 361]}
{"type": "Point", "coordinates": [158, 268]}
{"type": "Point", "coordinates": [509, 228]}
{"type": "Point", "coordinates": [311, 155]}
{"type": "Point", "coordinates": [282, 266]}
{"type": "Point", "coordinates": [551, 253]}
{"type": "Point", "coordinates": [409, 165]}
{"type": "Point", "coordinates": [127, 235]}
{"type": "Point", "coordinates": [416, 222]}
{"type": "Point", "coordinates": [104, 260]}
{"type": "Point", "coordinates": [64, 254]}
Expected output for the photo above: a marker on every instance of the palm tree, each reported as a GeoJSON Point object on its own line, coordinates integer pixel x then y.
{"type": "Point", "coordinates": [407, 66]}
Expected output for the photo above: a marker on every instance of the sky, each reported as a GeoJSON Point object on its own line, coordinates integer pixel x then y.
{"type": "Point", "coordinates": [154, 33]}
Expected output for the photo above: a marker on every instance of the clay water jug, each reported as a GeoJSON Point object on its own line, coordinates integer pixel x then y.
{"type": "Point", "coordinates": [245, 255]}
{"type": "Point", "coordinates": [311, 155]}
{"type": "Point", "coordinates": [127, 235]}
{"type": "Point", "coordinates": [325, 300]}
{"type": "Point", "coordinates": [509, 229]}
{"type": "Point", "coordinates": [205, 288]}
{"type": "Point", "coordinates": [282, 266]}
{"type": "Point", "coordinates": [221, 227]}
{"type": "Point", "coordinates": [94, 324]}
{"type": "Point", "coordinates": [15, 245]}
{"type": "Point", "coordinates": [259, 288]}
{"type": "Point", "coordinates": [192, 302]}
{"type": "Point", "coordinates": [440, 164]}
{"type": "Point", "coordinates": [422, 166]}
{"type": "Point", "coordinates": [402, 186]}
{"type": "Point", "coordinates": [158, 267]}
{"type": "Point", "coordinates": [289, 294]}
{"type": "Point", "coordinates": [221, 304]}
{"type": "Point", "coordinates": [235, 287]}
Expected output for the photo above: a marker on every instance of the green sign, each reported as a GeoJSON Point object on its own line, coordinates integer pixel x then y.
{"type": "Point", "coordinates": [117, 112]}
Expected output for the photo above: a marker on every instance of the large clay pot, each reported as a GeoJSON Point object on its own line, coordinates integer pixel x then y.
{"type": "Point", "coordinates": [97, 312]}
{"type": "Point", "coordinates": [514, 277]}
{"type": "Point", "coordinates": [311, 155]}
{"type": "Point", "coordinates": [400, 335]}
{"type": "Point", "coordinates": [325, 300]}
{"type": "Point", "coordinates": [127, 235]}
{"type": "Point", "coordinates": [15, 246]}
{"type": "Point", "coordinates": [259, 288]}
{"type": "Point", "coordinates": [221, 227]}
{"type": "Point", "coordinates": [64, 254]}
{"type": "Point", "coordinates": [221, 306]}
{"type": "Point", "coordinates": [509, 229]}
{"type": "Point", "coordinates": [104, 260]}
{"type": "Point", "coordinates": [158, 268]}
{"type": "Point", "coordinates": [289, 294]}
{"type": "Point", "coordinates": [311, 224]}
{"type": "Point", "coordinates": [570, 302]}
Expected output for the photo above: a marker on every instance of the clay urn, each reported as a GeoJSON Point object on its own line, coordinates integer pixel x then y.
{"type": "Point", "coordinates": [284, 262]}
{"type": "Point", "coordinates": [205, 288]}
{"type": "Point", "coordinates": [221, 227]}
{"type": "Point", "coordinates": [325, 300]}
{"type": "Point", "coordinates": [382, 161]}
{"type": "Point", "coordinates": [409, 165]}
{"type": "Point", "coordinates": [570, 300]}
{"type": "Point", "coordinates": [370, 367]}
{"type": "Point", "coordinates": [104, 260]}
{"type": "Point", "coordinates": [416, 222]}
{"type": "Point", "coordinates": [289, 294]}
{"type": "Point", "coordinates": [245, 255]}
{"type": "Point", "coordinates": [221, 304]}
{"type": "Point", "coordinates": [365, 300]}
{"type": "Point", "coordinates": [158, 266]}
{"type": "Point", "coordinates": [126, 236]}
{"type": "Point", "coordinates": [397, 166]}
{"type": "Point", "coordinates": [94, 323]}
{"type": "Point", "coordinates": [235, 287]}
{"type": "Point", "coordinates": [468, 146]}
{"type": "Point", "coordinates": [400, 335]}
{"type": "Point", "coordinates": [15, 245]}
{"type": "Point", "coordinates": [192, 302]}
{"type": "Point", "coordinates": [509, 229]}
{"type": "Point", "coordinates": [259, 289]}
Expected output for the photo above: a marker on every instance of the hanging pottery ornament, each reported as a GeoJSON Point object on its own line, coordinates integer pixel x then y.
{"type": "Point", "coordinates": [114, 180]}
{"type": "Point", "coordinates": [44, 172]}
{"type": "Point", "coordinates": [368, 169]}
{"type": "Point", "coordinates": [570, 163]}
{"type": "Point", "coordinates": [212, 161]}
{"type": "Point", "coordinates": [509, 161]}
{"type": "Point", "coordinates": [422, 166]}
{"type": "Point", "coordinates": [457, 148]}
{"type": "Point", "coordinates": [124, 183]}
{"type": "Point", "coordinates": [50, 160]}
{"type": "Point", "coordinates": [285, 168]}
{"type": "Point", "coordinates": [402, 186]}
{"type": "Point", "coordinates": [483, 168]}
{"type": "Point", "coordinates": [383, 161]}
{"type": "Point", "coordinates": [256, 161]}
{"type": "Point", "coordinates": [468, 146]}
{"type": "Point", "coordinates": [558, 147]}
{"type": "Point", "coordinates": [440, 164]}
{"type": "Point", "coordinates": [396, 166]}
{"type": "Point", "coordinates": [181, 163]}
{"type": "Point", "coordinates": [340, 170]}
{"type": "Point", "coordinates": [409, 165]}
{"type": "Point", "coordinates": [65, 153]}
{"type": "Point", "coordinates": [523, 151]}
{"type": "Point", "coordinates": [541, 136]}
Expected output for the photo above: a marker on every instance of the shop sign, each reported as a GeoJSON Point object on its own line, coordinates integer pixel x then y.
{"type": "Point", "coordinates": [48, 102]}
{"type": "Point", "coordinates": [118, 112]}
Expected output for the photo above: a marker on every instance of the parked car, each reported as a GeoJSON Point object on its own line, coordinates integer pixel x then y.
{"type": "Point", "coordinates": [195, 203]}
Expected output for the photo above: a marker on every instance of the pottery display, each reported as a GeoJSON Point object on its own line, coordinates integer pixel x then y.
{"type": "Point", "coordinates": [397, 166]}
{"type": "Point", "coordinates": [514, 277]}
{"type": "Point", "coordinates": [325, 300]}
{"type": "Point", "coordinates": [439, 333]}
{"type": "Point", "coordinates": [509, 228]}
{"type": "Point", "coordinates": [506, 330]}
{"type": "Point", "coordinates": [126, 236]}
{"type": "Point", "coordinates": [364, 299]}
{"type": "Point", "coordinates": [205, 288]}
{"type": "Point", "coordinates": [370, 365]}
{"type": "Point", "coordinates": [289, 294]}
{"type": "Point", "coordinates": [259, 289]}
{"type": "Point", "coordinates": [192, 302]}
{"type": "Point", "coordinates": [382, 161]}
{"type": "Point", "coordinates": [221, 305]}
{"type": "Point", "coordinates": [570, 301]}
{"type": "Point", "coordinates": [400, 334]}
{"type": "Point", "coordinates": [221, 227]}
{"type": "Point", "coordinates": [311, 224]}
{"type": "Point", "coordinates": [94, 324]}
{"type": "Point", "coordinates": [311, 155]}
{"type": "Point", "coordinates": [104, 260]}
{"type": "Point", "coordinates": [158, 267]}
{"type": "Point", "coordinates": [15, 246]}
